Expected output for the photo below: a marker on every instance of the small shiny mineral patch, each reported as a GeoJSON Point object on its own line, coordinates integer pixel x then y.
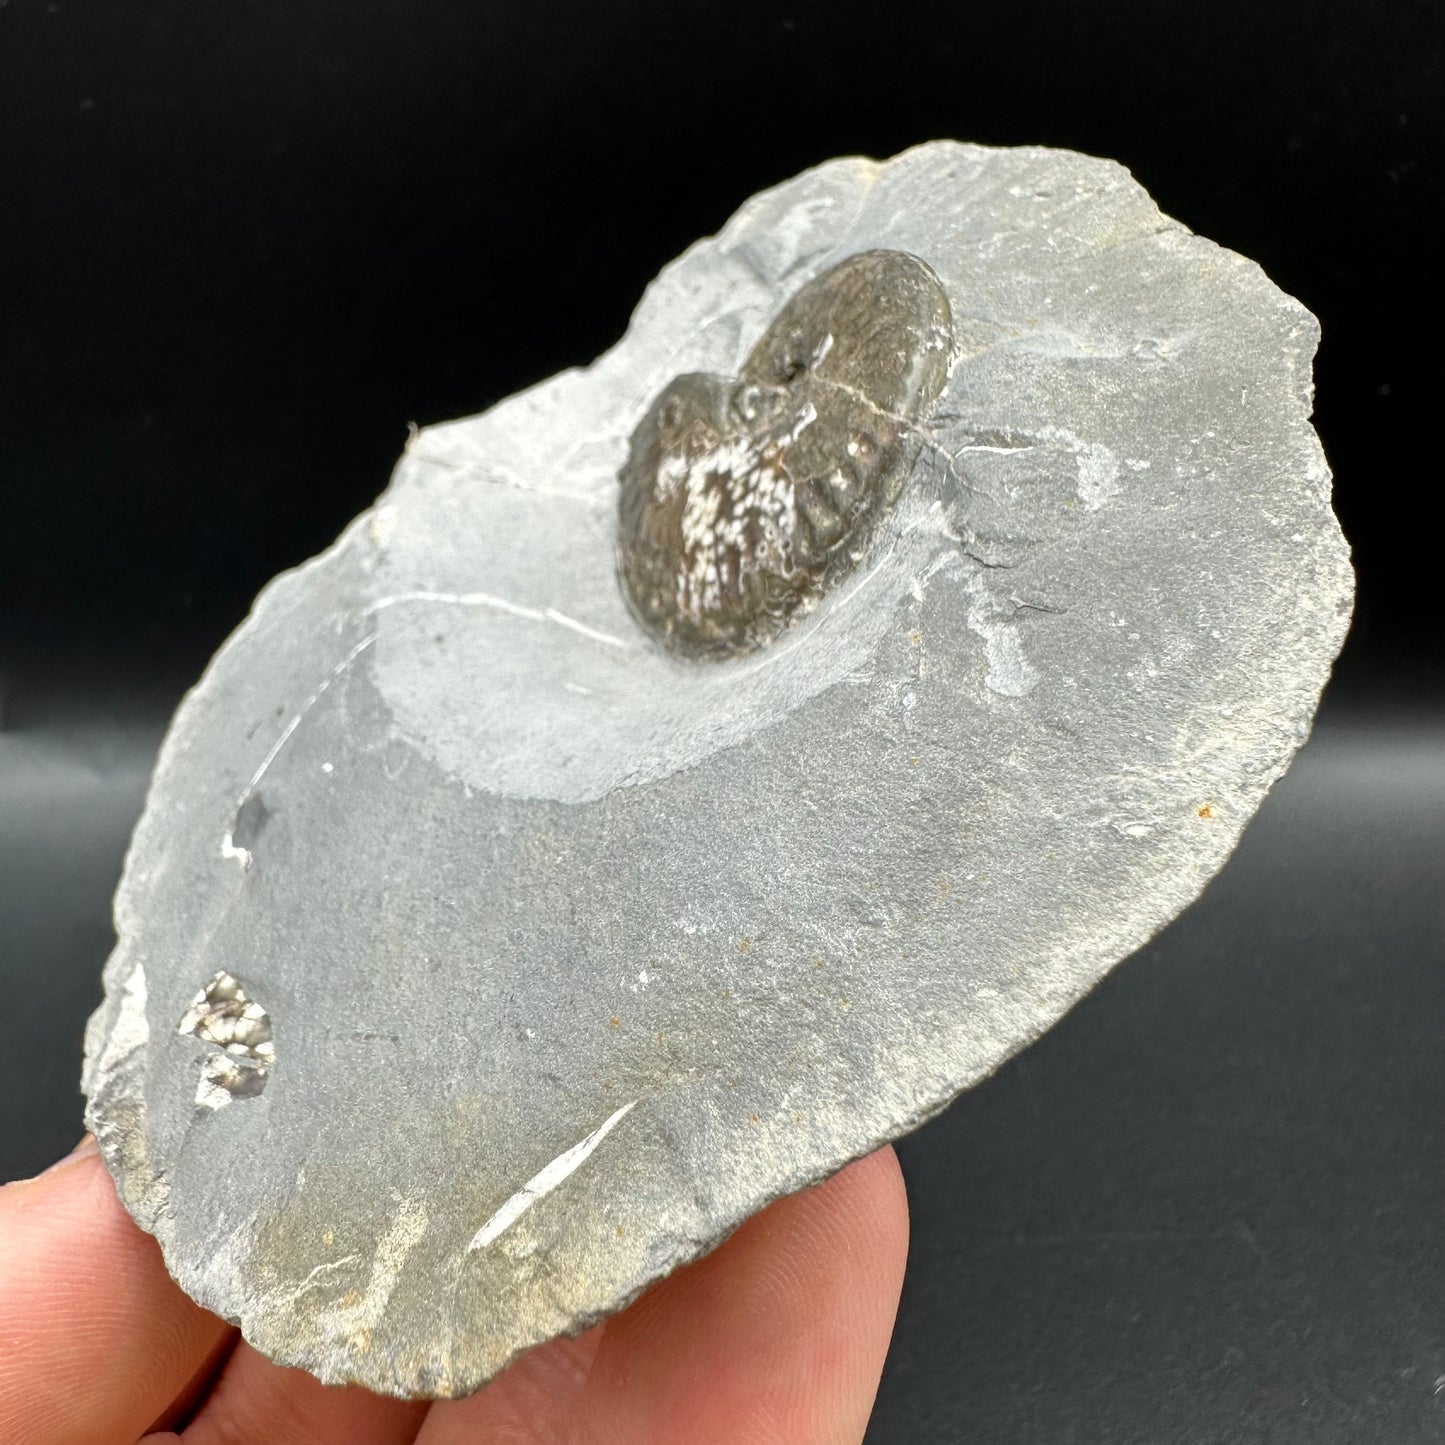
{"type": "Point", "coordinates": [224, 1015]}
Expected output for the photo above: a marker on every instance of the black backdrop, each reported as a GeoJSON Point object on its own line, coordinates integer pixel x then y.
{"type": "Point", "coordinates": [242, 246]}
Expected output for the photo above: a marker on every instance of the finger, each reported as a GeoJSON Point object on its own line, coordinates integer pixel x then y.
{"type": "Point", "coordinates": [778, 1335]}
{"type": "Point", "coordinates": [194, 1391]}
{"type": "Point", "coordinates": [96, 1340]}
{"type": "Point", "coordinates": [529, 1403]}
{"type": "Point", "coordinates": [256, 1400]}
{"type": "Point", "coordinates": [782, 1339]}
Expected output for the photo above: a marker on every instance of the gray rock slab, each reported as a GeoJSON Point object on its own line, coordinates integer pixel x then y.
{"type": "Point", "coordinates": [480, 960]}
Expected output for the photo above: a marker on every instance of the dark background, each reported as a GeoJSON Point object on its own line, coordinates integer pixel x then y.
{"type": "Point", "coordinates": [242, 246]}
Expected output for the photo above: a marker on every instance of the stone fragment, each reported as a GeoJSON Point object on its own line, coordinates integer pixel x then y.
{"type": "Point", "coordinates": [505, 924]}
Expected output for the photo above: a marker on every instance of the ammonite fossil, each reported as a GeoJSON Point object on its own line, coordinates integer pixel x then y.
{"type": "Point", "coordinates": [743, 500]}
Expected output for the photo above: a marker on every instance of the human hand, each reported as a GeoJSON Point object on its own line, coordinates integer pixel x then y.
{"type": "Point", "coordinates": [776, 1338]}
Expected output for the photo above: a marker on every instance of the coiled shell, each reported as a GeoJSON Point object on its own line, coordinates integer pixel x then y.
{"type": "Point", "coordinates": [745, 499]}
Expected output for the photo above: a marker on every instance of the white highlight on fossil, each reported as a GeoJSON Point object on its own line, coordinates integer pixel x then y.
{"type": "Point", "coordinates": [546, 1180]}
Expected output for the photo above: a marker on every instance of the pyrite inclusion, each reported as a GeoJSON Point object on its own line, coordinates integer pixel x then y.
{"type": "Point", "coordinates": [573, 951]}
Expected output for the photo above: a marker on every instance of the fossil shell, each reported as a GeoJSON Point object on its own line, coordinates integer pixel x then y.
{"type": "Point", "coordinates": [743, 500]}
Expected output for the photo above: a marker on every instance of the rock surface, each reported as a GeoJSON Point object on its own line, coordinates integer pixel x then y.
{"type": "Point", "coordinates": [479, 961]}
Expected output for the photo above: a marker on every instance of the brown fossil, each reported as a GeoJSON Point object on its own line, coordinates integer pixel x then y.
{"type": "Point", "coordinates": [743, 500]}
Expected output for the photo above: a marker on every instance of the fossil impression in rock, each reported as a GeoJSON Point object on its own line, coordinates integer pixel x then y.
{"type": "Point", "coordinates": [701, 767]}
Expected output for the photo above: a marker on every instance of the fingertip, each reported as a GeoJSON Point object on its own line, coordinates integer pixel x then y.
{"type": "Point", "coordinates": [780, 1334]}
{"type": "Point", "coordinates": [98, 1339]}
{"type": "Point", "coordinates": [866, 1201]}
{"type": "Point", "coordinates": [255, 1399]}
